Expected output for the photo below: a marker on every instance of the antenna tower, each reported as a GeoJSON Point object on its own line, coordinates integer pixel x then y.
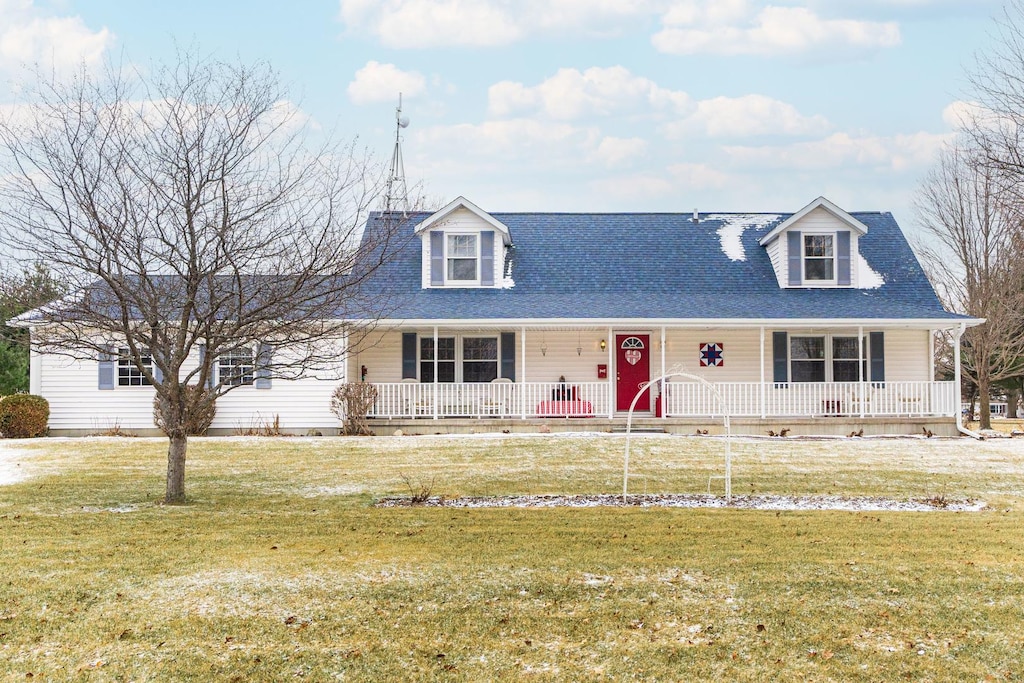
{"type": "Point", "coordinates": [396, 195]}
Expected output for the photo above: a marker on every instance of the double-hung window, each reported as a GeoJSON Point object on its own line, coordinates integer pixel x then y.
{"type": "Point", "coordinates": [844, 359]}
{"type": "Point", "coordinates": [807, 359]}
{"type": "Point", "coordinates": [463, 258]}
{"type": "Point", "coordinates": [129, 374]}
{"type": "Point", "coordinates": [819, 258]}
{"type": "Point", "coordinates": [445, 359]}
{"type": "Point", "coordinates": [479, 359]}
{"type": "Point", "coordinates": [236, 367]}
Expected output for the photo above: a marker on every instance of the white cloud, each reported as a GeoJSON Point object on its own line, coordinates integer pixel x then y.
{"type": "Point", "coordinates": [478, 23]}
{"type": "Point", "coordinates": [378, 82]}
{"type": "Point", "coordinates": [896, 153]}
{"type": "Point", "coordinates": [747, 116]}
{"type": "Point", "coordinates": [28, 36]}
{"type": "Point", "coordinates": [572, 94]}
{"type": "Point", "coordinates": [612, 151]}
{"type": "Point", "coordinates": [501, 142]}
{"type": "Point", "coordinates": [737, 27]}
{"type": "Point", "coordinates": [675, 179]}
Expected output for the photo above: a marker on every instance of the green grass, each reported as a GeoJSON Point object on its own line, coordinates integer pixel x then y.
{"type": "Point", "coordinates": [280, 568]}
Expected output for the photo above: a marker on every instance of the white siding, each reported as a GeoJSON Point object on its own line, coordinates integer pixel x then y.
{"type": "Point", "coordinates": [777, 255]}
{"type": "Point", "coordinates": [76, 402]}
{"type": "Point", "coordinates": [906, 356]}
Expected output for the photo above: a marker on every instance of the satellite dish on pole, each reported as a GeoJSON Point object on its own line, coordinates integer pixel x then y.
{"type": "Point", "coordinates": [403, 121]}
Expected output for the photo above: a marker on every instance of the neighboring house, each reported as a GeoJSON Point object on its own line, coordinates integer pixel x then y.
{"type": "Point", "coordinates": [817, 320]}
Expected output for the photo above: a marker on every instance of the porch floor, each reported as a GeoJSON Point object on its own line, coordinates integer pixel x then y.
{"type": "Point", "coordinates": [800, 426]}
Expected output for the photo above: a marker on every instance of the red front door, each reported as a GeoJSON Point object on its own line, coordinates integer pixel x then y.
{"type": "Point", "coordinates": [632, 368]}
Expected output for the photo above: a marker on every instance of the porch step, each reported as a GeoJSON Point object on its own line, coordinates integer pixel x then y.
{"type": "Point", "coordinates": [639, 430]}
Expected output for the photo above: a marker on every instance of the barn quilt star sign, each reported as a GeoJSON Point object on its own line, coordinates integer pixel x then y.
{"type": "Point", "coordinates": [711, 355]}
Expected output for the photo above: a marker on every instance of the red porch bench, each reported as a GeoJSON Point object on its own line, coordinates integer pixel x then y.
{"type": "Point", "coordinates": [575, 408]}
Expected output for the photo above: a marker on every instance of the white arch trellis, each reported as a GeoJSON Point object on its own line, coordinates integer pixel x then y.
{"type": "Point", "coordinates": [679, 372]}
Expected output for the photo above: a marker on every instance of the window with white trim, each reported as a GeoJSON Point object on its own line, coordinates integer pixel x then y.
{"type": "Point", "coordinates": [819, 258]}
{"type": "Point", "coordinates": [129, 374]}
{"type": "Point", "coordinates": [807, 359]}
{"type": "Point", "coordinates": [827, 358]}
{"type": "Point", "coordinates": [844, 359]}
{"type": "Point", "coordinates": [462, 257]}
{"type": "Point", "coordinates": [236, 367]}
{"type": "Point", "coordinates": [445, 359]}
{"type": "Point", "coordinates": [479, 359]}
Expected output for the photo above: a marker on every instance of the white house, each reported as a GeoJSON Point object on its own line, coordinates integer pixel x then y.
{"type": "Point", "coordinates": [820, 320]}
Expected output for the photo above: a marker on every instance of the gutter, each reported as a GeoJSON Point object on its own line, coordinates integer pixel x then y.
{"type": "Point", "coordinates": [956, 373]}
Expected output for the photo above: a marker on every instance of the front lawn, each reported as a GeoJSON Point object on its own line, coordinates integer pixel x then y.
{"type": "Point", "coordinates": [280, 568]}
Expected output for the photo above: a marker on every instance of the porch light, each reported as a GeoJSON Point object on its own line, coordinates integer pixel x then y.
{"type": "Point", "coordinates": [543, 345]}
{"type": "Point", "coordinates": [604, 345]}
{"type": "Point", "coordinates": [579, 346]}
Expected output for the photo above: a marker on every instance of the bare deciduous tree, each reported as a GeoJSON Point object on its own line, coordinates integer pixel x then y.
{"type": "Point", "coordinates": [972, 259]}
{"type": "Point", "coordinates": [192, 216]}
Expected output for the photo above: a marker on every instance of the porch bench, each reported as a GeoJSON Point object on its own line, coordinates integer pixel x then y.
{"type": "Point", "coordinates": [565, 409]}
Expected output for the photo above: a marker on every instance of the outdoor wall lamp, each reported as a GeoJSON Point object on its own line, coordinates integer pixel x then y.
{"type": "Point", "coordinates": [604, 345]}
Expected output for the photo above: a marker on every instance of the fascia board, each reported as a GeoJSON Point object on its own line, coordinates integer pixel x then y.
{"type": "Point", "coordinates": [820, 202]}
{"type": "Point", "coordinates": [463, 203]}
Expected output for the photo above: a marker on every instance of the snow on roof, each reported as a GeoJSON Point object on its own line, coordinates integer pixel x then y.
{"type": "Point", "coordinates": [867, 277]}
{"type": "Point", "coordinates": [730, 235]}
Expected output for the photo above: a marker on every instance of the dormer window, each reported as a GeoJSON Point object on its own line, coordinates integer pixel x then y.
{"type": "Point", "coordinates": [819, 258]}
{"type": "Point", "coordinates": [464, 247]}
{"type": "Point", "coordinates": [462, 258]}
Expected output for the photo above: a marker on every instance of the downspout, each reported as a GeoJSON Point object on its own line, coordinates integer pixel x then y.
{"type": "Point", "coordinates": [956, 389]}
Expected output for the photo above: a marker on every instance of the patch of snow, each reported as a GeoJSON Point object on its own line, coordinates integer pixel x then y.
{"type": "Point", "coordinates": [11, 470]}
{"type": "Point", "coordinates": [867, 278]}
{"type": "Point", "coordinates": [730, 235]}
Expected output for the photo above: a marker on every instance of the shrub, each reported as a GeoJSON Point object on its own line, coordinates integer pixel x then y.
{"type": "Point", "coordinates": [351, 402]}
{"type": "Point", "coordinates": [202, 417]}
{"type": "Point", "coordinates": [23, 416]}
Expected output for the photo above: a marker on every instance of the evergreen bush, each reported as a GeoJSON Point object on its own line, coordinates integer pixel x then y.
{"type": "Point", "coordinates": [23, 416]}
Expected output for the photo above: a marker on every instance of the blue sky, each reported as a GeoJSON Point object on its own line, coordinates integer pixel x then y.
{"type": "Point", "coordinates": [585, 105]}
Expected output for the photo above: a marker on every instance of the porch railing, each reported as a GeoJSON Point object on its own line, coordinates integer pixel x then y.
{"type": "Point", "coordinates": [679, 399]}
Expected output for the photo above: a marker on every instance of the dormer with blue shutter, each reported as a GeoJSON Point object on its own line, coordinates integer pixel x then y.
{"type": "Point", "coordinates": [817, 247]}
{"type": "Point", "coordinates": [464, 247]}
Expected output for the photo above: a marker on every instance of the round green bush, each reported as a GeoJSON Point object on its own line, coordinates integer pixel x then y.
{"type": "Point", "coordinates": [23, 416]}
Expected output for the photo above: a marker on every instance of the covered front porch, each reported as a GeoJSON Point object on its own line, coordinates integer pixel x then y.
{"type": "Point", "coordinates": [527, 373]}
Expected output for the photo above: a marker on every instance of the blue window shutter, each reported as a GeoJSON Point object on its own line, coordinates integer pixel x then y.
{"type": "Point", "coordinates": [877, 348]}
{"type": "Point", "coordinates": [436, 257]}
{"type": "Point", "coordinates": [843, 257]}
{"type": "Point", "coordinates": [508, 355]}
{"type": "Point", "coordinates": [106, 368]}
{"type": "Point", "coordinates": [780, 357]}
{"type": "Point", "coordinates": [796, 257]}
{"type": "Point", "coordinates": [408, 355]}
{"type": "Point", "coordinates": [263, 355]}
{"type": "Point", "coordinates": [487, 258]}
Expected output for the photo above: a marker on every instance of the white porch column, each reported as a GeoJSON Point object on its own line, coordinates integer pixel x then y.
{"type": "Point", "coordinates": [761, 397]}
{"type": "Point", "coordinates": [664, 381]}
{"type": "Point", "coordinates": [860, 368]}
{"type": "Point", "coordinates": [611, 375]}
{"type": "Point", "coordinates": [956, 376]}
{"type": "Point", "coordinates": [522, 375]}
{"type": "Point", "coordinates": [931, 355]}
{"type": "Point", "coordinates": [436, 354]}
{"type": "Point", "coordinates": [35, 367]}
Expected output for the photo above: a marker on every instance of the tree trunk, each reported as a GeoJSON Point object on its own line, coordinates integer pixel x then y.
{"type": "Point", "coordinates": [176, 468]}
{"type": "Point", "coordinates": [984, 409]}
{"type": "Point", "coordinates": [1012, 397]}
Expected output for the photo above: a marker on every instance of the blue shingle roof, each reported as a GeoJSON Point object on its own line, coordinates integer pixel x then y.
{"type": "Point", "coordinates": [658, 266]}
